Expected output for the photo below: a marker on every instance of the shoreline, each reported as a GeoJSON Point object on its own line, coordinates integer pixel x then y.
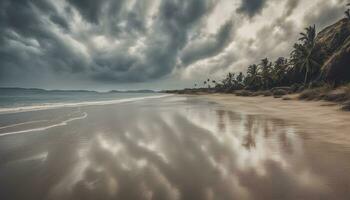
{"type": "Point", "coordinates": [50, 106]}
{"type": "Point", "coordinates": [332, 124]}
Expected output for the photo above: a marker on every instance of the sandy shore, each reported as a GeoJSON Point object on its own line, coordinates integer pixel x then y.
{"type": "Point", "coordinates": [176, 147]}
{"type": "Point", "coordinates": [321, 120]}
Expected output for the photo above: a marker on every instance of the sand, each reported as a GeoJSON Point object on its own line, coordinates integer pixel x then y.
{"type": "Point", "coordinates": [176, 147]}
{"type": "Point", "coordinates": [322, 120]}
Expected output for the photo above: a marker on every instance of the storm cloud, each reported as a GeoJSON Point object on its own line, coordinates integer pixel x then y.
{"type": "Point", "coordinates": [145, 43]}
{"type": "Point", "coordinates": [251, 7]}
{"type": "Point", "coordinates": [208, 46]}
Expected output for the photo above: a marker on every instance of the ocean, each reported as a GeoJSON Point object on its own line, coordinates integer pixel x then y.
{"type": "Point", "coordinates": [18, 99]}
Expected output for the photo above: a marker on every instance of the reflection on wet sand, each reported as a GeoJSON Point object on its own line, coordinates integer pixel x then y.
{"type": "Point", "coordinates": [175, 149]}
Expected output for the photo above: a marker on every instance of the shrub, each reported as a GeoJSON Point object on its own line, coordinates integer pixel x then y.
{"type": "Point", "coordinates": [277, 96]}
{"type": "Point", "coordinates": [338, 97]}
{"type": "Point", "coordinates": [310, 94]}
{"type": "Point", "coordinates": [346, 106]}
{"type": "Point", "coordinates": [280, 92]}
{"type": "Point", "coordinates": [267, 94]}
{"type": "Point", "coordinates": [243, 93]}
{"type": "Point", "coordinates": [295, 87]}
{"type": "Point", "coordinates": [316, 93]}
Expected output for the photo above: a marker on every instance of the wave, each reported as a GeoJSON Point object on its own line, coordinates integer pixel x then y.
{"type": "Point", "coordinates": [24, 123]}
{"type": "Point", "coordinates": [63, 123]}
{"type": "Point", "coordinates": [47, 106]}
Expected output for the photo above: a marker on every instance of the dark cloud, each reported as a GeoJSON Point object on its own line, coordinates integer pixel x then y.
{"type": "Point", "coordinates": [59, 20]}
{"type": "Point", "coordinates": [35, 37]}
{"type": "Point", "coordinates": [290, 7]}
{"type": "Point", "coordinates": [326, 14]}
{"type": "Point", "coordinates": [28, 45]}
{"type": "Point", "coordinates": [89, 9]}
{"type": "Point", "coordinates": [209, 46]}
{"type": "Point", "coordinates": [168, 35]}
{"type": "Point", "coordinates": [251, 7]}
{"type": "Point", "coordinates": [120, 41]}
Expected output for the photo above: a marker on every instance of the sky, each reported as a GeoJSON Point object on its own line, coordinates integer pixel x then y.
{"type": "Point", "coordinates": [147, 44]}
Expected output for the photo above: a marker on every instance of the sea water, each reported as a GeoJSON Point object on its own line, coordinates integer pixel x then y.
{"type": "Point", "coordinates": [17, 100]}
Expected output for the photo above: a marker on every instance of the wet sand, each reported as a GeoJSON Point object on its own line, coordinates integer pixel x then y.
{"type": "Point", "coordinates": [177, 147]}
{"type": "Point", "coordinates": [322, 120]}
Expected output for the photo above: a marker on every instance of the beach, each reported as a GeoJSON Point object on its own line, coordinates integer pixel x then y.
{"type": "Point", "coordinates": [177, 147]}
{"type": "Point", "coordinates": [321, 119]}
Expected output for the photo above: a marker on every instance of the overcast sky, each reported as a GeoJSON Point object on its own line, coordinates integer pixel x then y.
{"type": "Point", "coordinates": [151, 44]}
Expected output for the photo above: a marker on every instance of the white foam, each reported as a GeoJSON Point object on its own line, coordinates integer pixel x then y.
{"type": "Point", "coordinates": [63, 105]}
{"type": "Point", "coordinates": [63, 123]}
{"type": "Point", "coordinates": [24, 123]}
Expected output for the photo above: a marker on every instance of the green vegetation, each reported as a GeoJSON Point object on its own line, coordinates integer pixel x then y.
{"type": "Point", "coordinates": [301, 68]}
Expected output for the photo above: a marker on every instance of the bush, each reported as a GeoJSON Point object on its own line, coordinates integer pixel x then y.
{"type": "Point", "coordinates": [267, 94]}
{"type": "Point", "coordinates": [295, 87]}
{"type": "Point", "coordinates": [318, 84]}
{"type": "Point", "coordinates": [346, 106]}
{"type": "Point", "coordinates": [244, 93]}
{"type": "Point", "coordinates": [261, 93]}
{"type": "Point", "coordinates": [316, 93]}
{"type": "Point", "coordinates": [277, 96]}
{"type": "Point", "coordinates": [334, 97]}
{"type": "Point", "coordinates": [280, 92]}
{"type": "Point", "coordinates": [310, 94]}
{"type": "Point", "coordinates": [301, 88]}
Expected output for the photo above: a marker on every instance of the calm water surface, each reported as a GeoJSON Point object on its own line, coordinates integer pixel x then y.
{"type": "Point", "coordinates": [167, 148]}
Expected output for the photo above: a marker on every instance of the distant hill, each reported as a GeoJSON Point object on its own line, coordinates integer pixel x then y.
{"type": "Point", "coordinates": [16, 90]}
{"type": "Point", "coordinates": [132, 91]}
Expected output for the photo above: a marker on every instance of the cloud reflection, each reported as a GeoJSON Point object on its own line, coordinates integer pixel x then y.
{"type": "Point", "coordinates": [206, 153]}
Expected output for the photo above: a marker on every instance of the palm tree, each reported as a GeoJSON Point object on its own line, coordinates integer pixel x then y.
{"type": "Point", "coordinates": [303, 54]}
{"type": "Point", "coordinates": [214, 83]}
{"type": "Point", "coordinates": [208, 82]}
{"type": "Point", "coordinates": [347, 12]}
{"type": "Point", "coordinates": [228, 81]}
{"type": "Point", "coordinates": [296, 58]}
{"type": "Point", "coordinates": [240, 77]}
{"type": "Point", "coordinates": [279, 71]}
{"type": "Point", "coordinates": [266, 72]}
{"type": "Point", "coordinates": [308, 38]}
{"type": "Point", "coordinates": [252, 70]}
{"type": "Point", "coordinates": [252, 79]}
{"type": "Point", "coordinates": [239, 81]}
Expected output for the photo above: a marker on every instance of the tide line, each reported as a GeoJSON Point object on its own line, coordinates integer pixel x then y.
{"type": "Point", "coordinates": [64, 105]}
{"type": "Point", "coordinates": [63, 123]}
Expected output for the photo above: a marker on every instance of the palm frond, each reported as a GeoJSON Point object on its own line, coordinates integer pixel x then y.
{"type": "Point", "coordinates": [347, 13]}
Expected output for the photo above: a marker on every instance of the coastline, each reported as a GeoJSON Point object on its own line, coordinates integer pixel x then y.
{"type": "Point", "coordinates": [83, 103]}
{"type": "Point", "coordinates": [320, 119]}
